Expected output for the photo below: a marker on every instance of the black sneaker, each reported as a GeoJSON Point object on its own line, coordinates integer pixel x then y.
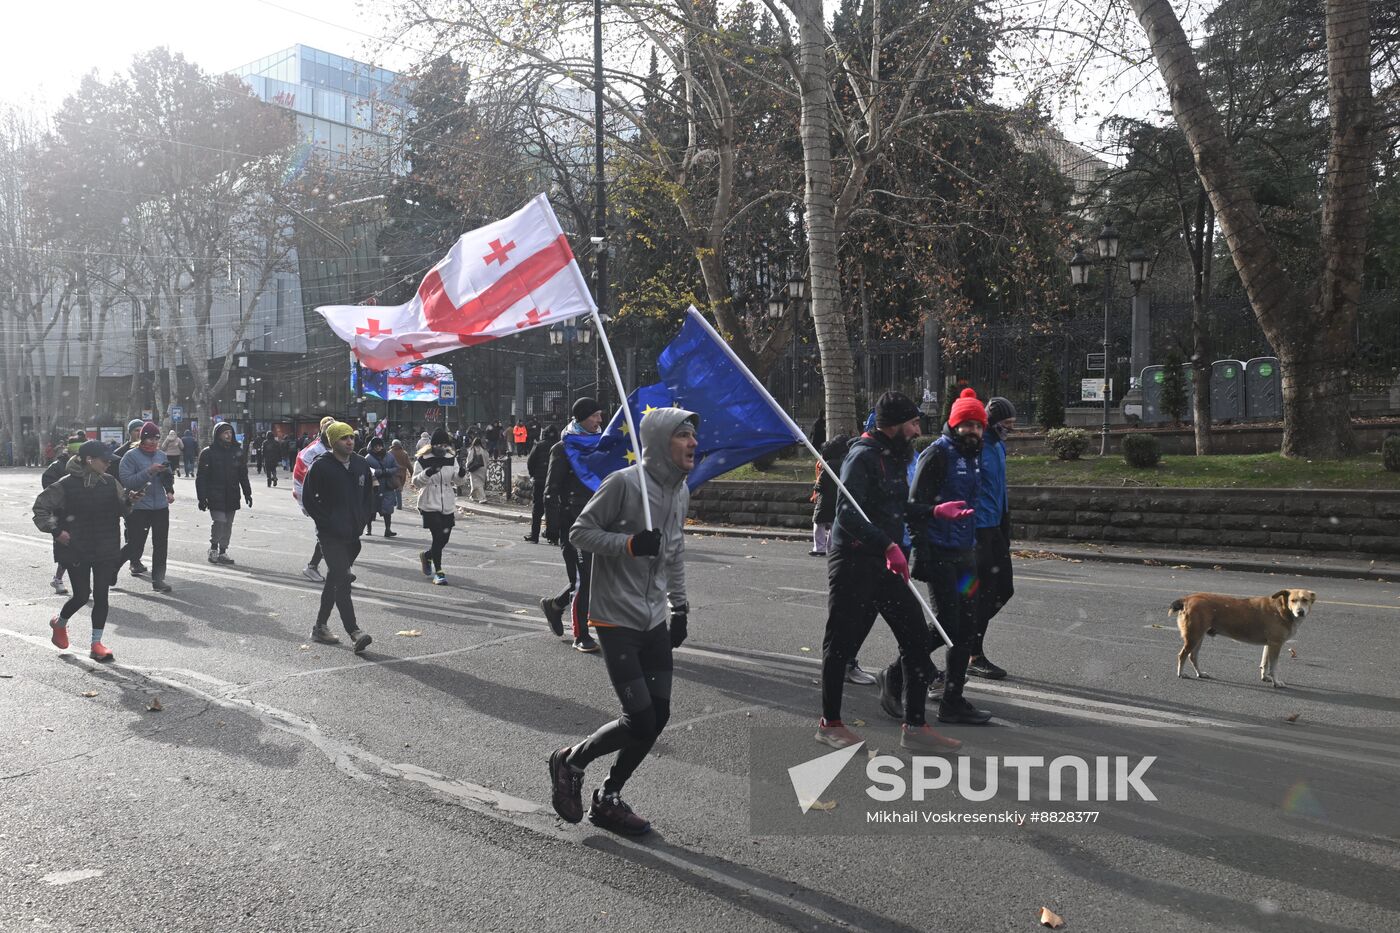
{"type": "Point", "coordinates": [426, 563]}
{"type": "Point", "coordinates": [319, 633]}
{"type": "Point", "coordinates": [361, 640]}
{"type": "Point", "coordinates": [959, 710]}
{"type": "Point", "coordinates": [533, 539]}
{"type": "Point", "coordinates": [611, 813]}
{"type": "Point", "coordinates": [566, 787]}
{"type": "Point", "coordinates": [981, 667]}
{"type": "Point", "coordinates": [586, 644]}
{"type": "Point", "coordinates": [160, 586]}
{"type": "Point", "coordinates": [891, 704]}
{"type": "Point", "coordinates": [139, 570]}
{"type": "Point", "coordinates": [554, 616]}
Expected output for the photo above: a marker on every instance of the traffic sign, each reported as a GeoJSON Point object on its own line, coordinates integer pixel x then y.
{"type": "Point", "coordinates": [177, 413]}
{"type": "Point", "coordinates": [447, 393]}
{"type": "Point", "coordinates": [1093, 362]}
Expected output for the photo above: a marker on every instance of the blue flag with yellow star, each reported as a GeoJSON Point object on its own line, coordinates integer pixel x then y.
{"type": "Point", "coordinates": [737, 425]}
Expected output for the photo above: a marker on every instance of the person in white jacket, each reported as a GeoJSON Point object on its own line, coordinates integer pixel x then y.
{"type": "Point", "coordinates": [438, 476]}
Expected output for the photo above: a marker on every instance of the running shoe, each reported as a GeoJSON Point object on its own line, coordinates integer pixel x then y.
{"type": "Point", "coordinates": [982, 667]}
{"type": "Point", "coordinates": [553, 615]}
{"type": "Point", "coordinates": [311, 573]}
{"type": "Point", "coordinates": [439, 579]}
{"type": "Point", "coordinates": [426, 563]}
{"type": "Point", "coordinates": [361, 640]}
{"type": "Point", "coordinates": [611, 813]}
{"type": "Point", "coordinates": [100, 652]}
{"type": "Point", "coordinates": [855, 674]}
{"type": "Point", "coordinates": [213, 555]}
{"type": "Point", "coordinates": [959, 710]}
{"type": "Point", "coordinates": [890, 702]}
{"type": "Point", "coordinates": [586, 644]}
{"type": "Point", "coordinates": [139, 570]}
{"type": "Point", "coordinates": [936, 684]}
{"type": "Point", "coordinates": [58, 587]}
{"type": "Point", "coordinates": [836, 734]}
{"type": "Point", "coordinates": [566, 787]}
{"type": "Point", "coordinates": [59, 635]}
{"type": "Point", "coordinates": [924, 739]}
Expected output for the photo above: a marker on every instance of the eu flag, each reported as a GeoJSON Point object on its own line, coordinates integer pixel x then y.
{"type": "Point", "coordinates": [737, 424]}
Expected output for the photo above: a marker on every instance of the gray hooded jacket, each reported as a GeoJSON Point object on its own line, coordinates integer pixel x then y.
{"type": "Point", "coordinates": [628, 591]}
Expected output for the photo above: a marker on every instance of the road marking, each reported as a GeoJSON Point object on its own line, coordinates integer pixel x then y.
{"type": "Point", "coordinates": [1177, 589]}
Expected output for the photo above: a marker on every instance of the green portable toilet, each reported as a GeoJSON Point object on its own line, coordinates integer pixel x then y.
{"type": "Point", "coordinates": [1263, 392]}
{"type": "Point", "coordinates": [1227, 390]}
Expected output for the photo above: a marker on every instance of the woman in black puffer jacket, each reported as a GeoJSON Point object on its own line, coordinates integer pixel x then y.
{"type": "Point", "coordinates": [222, 470]}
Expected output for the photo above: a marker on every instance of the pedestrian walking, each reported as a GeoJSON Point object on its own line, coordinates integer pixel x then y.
{"type": "Point", "coordinates": [173, 448]}
{"type": "Point", "coordinates": [640, 610]}
{"type": "Point", "coordinates": [133, 438]}
{"type": "Point", "coordinates": [537, 465]}
{"type": "Point", "coordinates": [405, 462]}
{"type": "Point", "coordinates": [565, 495]}
{"type": "Point", "coordinates": [942, 519]}
{"type": "Point", "coordinates": [385, 470]}
{"type": "Point", "coordinates": [424, 440]}
{"type": "Point", "coordinates": [438, 475]}
{"type": "Point", "coordinates": [868, 575]}
{"type": "Point", "coordinates": [338, 495]}
{"type": "Point", "coordinates": [305, 457]}
{"type": "Point", "coordinates": [82, 511]}
{"type": "Point", "coordinates": [222, 472]}
{"type": "Point", "coordinates": [994, 587]}
{"type": "Point", "coordinates": [271, 453]}
{"type": "Point", "coordinates": [191, 450]}
{"type": "Point", "coordinates": [521, 435]}
{"type": "Point", "coordinates": [55, 471]}
{"type": "Point", "coordinates": [477, 456]}
{"type": "Point", "coordinates": [824, 492]}
{"type": "Point", "coordinates": [145, 468]}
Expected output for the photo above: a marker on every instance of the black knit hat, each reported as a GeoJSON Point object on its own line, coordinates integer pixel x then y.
{"type": "Point", "coordinates": [585, 407]}
{"type": "Point", "coordinates": [96, 449]}
{"type": "Point", "coordinates": [999, 409]}
{"type": "Point", "coordinates": [440, 438]}
{"type": "Point", "coordinates": [894, 408]}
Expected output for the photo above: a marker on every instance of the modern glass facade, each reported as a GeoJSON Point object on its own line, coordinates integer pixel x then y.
{"type": "Point", "coordinates": [348, 111]}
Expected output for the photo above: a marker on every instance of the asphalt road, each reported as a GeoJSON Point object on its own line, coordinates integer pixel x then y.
{"type": "Point", "coordinates": [290, 786]}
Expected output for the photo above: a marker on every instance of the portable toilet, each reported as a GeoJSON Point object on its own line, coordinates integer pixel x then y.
{"type": "Point", "coordinates": [1151, 383]}
{"type": "Point", "coordinates": [1263, 394]}
{"type": "Point", "coordinates": [1227, 390]}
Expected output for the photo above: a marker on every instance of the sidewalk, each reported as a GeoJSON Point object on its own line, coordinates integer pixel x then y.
{"type": "Point", "coordinates": [1351, 568]}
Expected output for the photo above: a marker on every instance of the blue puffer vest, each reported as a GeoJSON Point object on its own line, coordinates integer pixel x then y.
{"type": "Point", "coordinates": [961, 478]}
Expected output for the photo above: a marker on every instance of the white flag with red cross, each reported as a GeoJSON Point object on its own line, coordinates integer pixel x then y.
{"type": "Point", "coordinates": [502, 279]}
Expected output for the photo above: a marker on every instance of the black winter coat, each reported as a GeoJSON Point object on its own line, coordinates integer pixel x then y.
{"type": "Point", "coordinates": [876, 473]}
{"type": "Point", "coordinates": [537, 464]}
{"type": "Point", "coordinates": [55, 470]}
{"type": "Point", "coordinates": [222, 470]}
{"type": "Point", "coordinates": [89, 506]}
{"type": "Point", "coordinates": [339, 497]}
{"type": "Point", "coordinates": [565, 494]}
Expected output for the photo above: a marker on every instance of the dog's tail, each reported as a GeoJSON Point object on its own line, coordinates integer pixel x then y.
{"type": "Point", "coordinates": [1177, 606]}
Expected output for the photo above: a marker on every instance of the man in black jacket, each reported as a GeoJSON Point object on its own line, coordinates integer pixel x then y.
{"type": "Point", "coordinates": [339, 497]}
{"type": "Point", "coordinates": [52, 474]}
{"type": "Point", "coordinates": [538, 467]}
{"type": "Point", "coordinates": [222, 470]}
{"type": "Point", "coordinates": [565, 495]}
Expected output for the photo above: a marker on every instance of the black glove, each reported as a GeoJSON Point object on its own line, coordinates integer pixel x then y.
{"type": "Point", "coordinates": [679, 618]}
{"type": "Point", "coordinates": [645, 543]}
{"type": "Point", "coordinates": [204, 505]}
{"type": "Point", "coordinates": [431, 471]}
{"type": "Point", "coordinates": [249, 500]}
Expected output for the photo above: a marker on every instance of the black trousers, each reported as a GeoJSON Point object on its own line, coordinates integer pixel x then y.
{"type": "Point", "coordinates": [858, 589]}
{"type": "Point", "coordinates": [639, 666]}
{"type": "Point", "coordinates": [952, 587]}
{"type": "Point", "coordinates": [139, 524]}
{"type": "Point", "coordinates": [89, 580]}
{"type": "Point", "coordinates": [440, 527]}
{"type": "Point", "coordinates": [994, 586]}
{"type": "Point", "coordinates": [536, 508]}
{"type": "Point", "coordinates": [340, 554]}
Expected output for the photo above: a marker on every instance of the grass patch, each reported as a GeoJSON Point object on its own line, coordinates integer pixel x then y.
{"type": "Point", "coordinates": [1239, 471]}
{"type": "Point", "coordinates": [784, 471]}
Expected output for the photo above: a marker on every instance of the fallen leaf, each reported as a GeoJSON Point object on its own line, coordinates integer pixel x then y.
{"type": "Point", "coordinates": [858, 722]}
{"type": "Point", "coordinates": [89, 693]}
{"type": "Point", "coordinates": [748, 557]}
{"type": "Point", "coordinates": [1292, 652]}
{"type": "Point", "coordinates": [521, 612]}
{"type": "Point", "coordinates": [804, 648]}
{"type": "Point", "coordinates": [1174, 567]}
{"type": "Point", "coordinates": [823, 805]}
{"type": "Point", "coordinates": [154, 706]}
{"type": "Point", "coordinates": [409, 633]}
{"type": "Point", "coordinates": [1157, 625]}
{"type": "Point", "coordinates": [1048, 918]}
{"type": "Point", "coordinates": [1292, 717]}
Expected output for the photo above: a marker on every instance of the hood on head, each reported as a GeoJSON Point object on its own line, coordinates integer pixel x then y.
{"type": "Point", "coordinates": [656, 429]}
{"type": "Point", "coordinates": [219, 427]}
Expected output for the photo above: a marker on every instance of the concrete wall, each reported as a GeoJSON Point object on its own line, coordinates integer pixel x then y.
{"type": "Point", "coordinates": [1338, 521]}
{"type": "Point", "coordinates": [1227, 439]}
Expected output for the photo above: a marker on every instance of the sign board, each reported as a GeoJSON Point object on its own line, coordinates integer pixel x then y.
{"type": "Point", "coordinates": [177, 413]}
{"type": "Point", "coordinates": [147, 415]}
{"type": "Point", "coordinates": [1092, 390]}
{"type": "Point", "coordinates": [111, 436]}
{"type": "Point", "coordinates": [371, 416]}
{"type": "Point", "coordinates": [1093, 362]}
{"type": "Point", "coordinates": [447, 393]}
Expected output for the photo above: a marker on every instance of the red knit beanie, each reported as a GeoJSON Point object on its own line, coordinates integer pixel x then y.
{"type": "Point", "coordinates": [967, 408]}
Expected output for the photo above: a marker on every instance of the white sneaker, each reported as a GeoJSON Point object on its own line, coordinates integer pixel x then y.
{"type": "Point", "coordinates": [855, 674]}
{"type": "Point", "coordinates": [58, 587]}
{"type": "Point", "coordinates": [311, 573]}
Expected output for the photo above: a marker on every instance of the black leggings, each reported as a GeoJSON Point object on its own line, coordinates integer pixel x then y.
{"type": "Point", "coordinates": [440, 538]}
{"type": "Point", "coordinates": [639, 666]}
{"type": "Point", "coordinates": [859, 588]}
{"type": "Point", "coordinates": [340, 554]}
{"type": "Point", "coordinates": [89, 580]}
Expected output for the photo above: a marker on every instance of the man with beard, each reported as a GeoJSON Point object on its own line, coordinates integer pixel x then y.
{"type": "Point", "coordinates": [943, 526]}
{"type": "Point", "coordinates": [222, 471]}
{"type": "Point", "coordinates": [565, 495]}
{"type": "Point", "coordinates": [868, 575]}
{"type": "Point", "coordinates": [145, 468]}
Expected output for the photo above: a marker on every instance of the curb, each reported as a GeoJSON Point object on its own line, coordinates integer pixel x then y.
{"type": "Point", "coordinates": [1193, 562]}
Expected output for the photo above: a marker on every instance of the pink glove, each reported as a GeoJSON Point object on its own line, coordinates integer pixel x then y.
{"type": "Point", "coordinates": [896, 563]}
{"type": "Point", "coordinates": [952, 511]}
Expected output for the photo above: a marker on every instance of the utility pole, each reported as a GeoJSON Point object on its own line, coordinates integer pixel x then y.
{"type": "Point", "coordinates": [600, 207]}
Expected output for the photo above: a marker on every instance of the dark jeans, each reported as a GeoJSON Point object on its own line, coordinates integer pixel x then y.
{"type": "Point", "coordinates": [340, 554]}
{"type": "Point", "coordinates": [859, 588]}
{"type": "Point", "coordinates": [579, 566]}
{"type": "Point", "coordinates": [952, 587]}
{"type": "Point", "coordinates": [536, 508]}
{"type": "Point", "coordinates": [271, 472]}
{"type": "Point", "coordinates": [156, 523]}
{"type": "Point", "coordinates": [994, 588]}
{"type": "Point", "coordinates": [89, 580]}
{"type": "Point", "coordinates": [639, 666]}
{"type": "Point", "coordinates": [189, 464]}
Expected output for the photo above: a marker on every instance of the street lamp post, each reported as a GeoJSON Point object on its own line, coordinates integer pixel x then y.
{"type": "Point", "coordinates": [568, 334]}
{"type": "Point", "coordinates": [780, 304]}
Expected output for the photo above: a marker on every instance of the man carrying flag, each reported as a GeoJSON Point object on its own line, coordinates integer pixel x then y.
{"type": "Point", "coordinates": [565, 495]}
{"type": "Point", "coordinates": [639, 609]}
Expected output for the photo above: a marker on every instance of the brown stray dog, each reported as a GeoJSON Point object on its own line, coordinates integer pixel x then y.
{"type": "Point", "coordinates": [1259, 620]}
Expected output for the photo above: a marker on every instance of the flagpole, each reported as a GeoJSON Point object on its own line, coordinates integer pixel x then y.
{"type": "Point", "coordinates": [801, 436]}
{"type": "Point", "coordinates": [627, 415]}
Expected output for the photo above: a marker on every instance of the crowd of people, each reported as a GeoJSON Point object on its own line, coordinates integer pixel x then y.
{"type": "Point", "coordinates": [939, 517]}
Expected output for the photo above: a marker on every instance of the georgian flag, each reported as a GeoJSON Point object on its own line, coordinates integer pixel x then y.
{"type": "Point", "coordinates": [501, 279]}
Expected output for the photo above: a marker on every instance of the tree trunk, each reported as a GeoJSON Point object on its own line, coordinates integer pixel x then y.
{"type": "Point", "coordinates": [1316, 396]}
{"type": "Point", "coordinates": [838, 366]}
{"type": "Point", "coordinates": [1200, 332]}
